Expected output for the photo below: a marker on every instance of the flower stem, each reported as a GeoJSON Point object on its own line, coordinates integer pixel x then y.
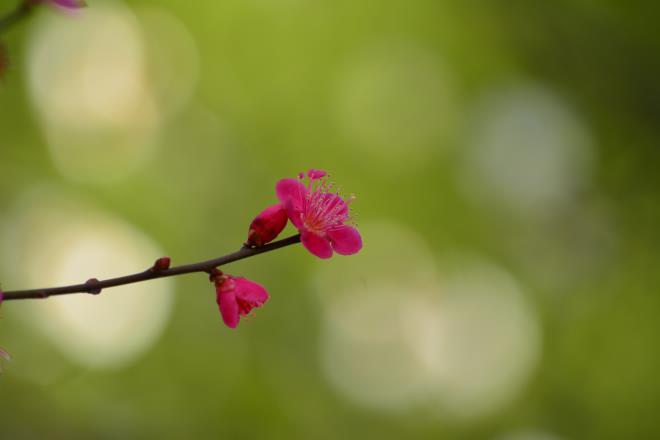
{"type": "Point", "coordinates": [95, 286]}
{"type": "Point", "coordinates": [22, 10]}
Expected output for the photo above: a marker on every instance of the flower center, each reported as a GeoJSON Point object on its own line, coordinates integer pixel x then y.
{"type": "Point", "coordinates": [244, 306]}
{"type": "Point", "coordinates": [323, 209]}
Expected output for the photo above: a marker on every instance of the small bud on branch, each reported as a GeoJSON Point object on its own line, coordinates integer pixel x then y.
{"type": "Point", "coordinates": [267, 226]}
{"type": "Point", "coordinates": [161, 264]}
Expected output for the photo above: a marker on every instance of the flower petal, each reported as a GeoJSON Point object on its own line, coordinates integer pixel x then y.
{"type": "Point", "coordinates": [316, 174]}
{"type": "Point", "coordinates": [316, 244]}
{"type": "Point", "coordinates": [250, 291]}
{"type": "Point", "coordinates": [292, 194]}
{"type": "Point", "coordinates": [228, 307]}
{"type": "Point", "coordinates": [291, 190]}
{"type": "Point", "coordinates": [345, 240]}
{"type": "Point", "coordinates": [295, 215]}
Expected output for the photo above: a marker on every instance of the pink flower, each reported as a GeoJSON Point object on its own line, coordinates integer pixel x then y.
{"type": "Point", "coordinates": [237, 296]}
{"type": "Point", "coordinates": [319, 214]}
{"type": "Point", "coordinates": [267, 226]}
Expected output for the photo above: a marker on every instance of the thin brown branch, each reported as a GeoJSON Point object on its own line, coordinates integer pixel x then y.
{"type": "Point", "coordinates": [95, 286]}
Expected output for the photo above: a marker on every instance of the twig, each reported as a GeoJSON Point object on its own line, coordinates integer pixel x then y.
{"type": "Point", "coordinates": [95, 286]}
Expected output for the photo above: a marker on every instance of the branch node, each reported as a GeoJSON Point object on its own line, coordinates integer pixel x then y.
{"type": "Point", "coordinates": [92, 286]}
{"type": "Point", "coordinates": [214, 274]}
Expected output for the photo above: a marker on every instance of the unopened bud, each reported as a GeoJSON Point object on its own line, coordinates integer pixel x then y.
{"type": "Point", "coordinates": [161, 264]}
{"type": "Point", "coordinates": [267, 226]}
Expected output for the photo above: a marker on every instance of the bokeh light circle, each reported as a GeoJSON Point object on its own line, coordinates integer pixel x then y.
{"type": "Point", "coordinates": [365, 351]}
{"type": "Point", "coordinates": [462, 341]}
{"type": "Point", "coordinates": [54, 239]}
{"type": "Point", "coordinates": [485, 334]}
{"type": "Point", "coordinates": [104, 84]}
{"type": "Point", "coordinates": [528, 152]}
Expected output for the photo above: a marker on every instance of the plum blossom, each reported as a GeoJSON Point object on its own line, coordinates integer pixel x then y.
{"type": "Point", "coordinates": [320, 214]}
{"type": "Point", "coordinates": [267, 226]}
{"type": "Point", "coordinates": [237, 296]}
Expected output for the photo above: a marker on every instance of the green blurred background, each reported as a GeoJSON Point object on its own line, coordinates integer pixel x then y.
{"type": "Point", "coordinates": [505, 161]}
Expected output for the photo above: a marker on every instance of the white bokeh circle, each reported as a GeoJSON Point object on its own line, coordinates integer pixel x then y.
{"type": "Point", "coordinates": [54, 239]}
{"type": "Point", "coordinates": [528, 152]}
{"type": "Point", "coordinates": [104, 83]}
{"type": "Point", "coordinates": [462, 341]}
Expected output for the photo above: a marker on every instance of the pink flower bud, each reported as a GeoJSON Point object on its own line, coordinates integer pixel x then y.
{"type": "Point", "coordinates": [267, 226]}
{"type": "Point", "coordinates": [161, 264]}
